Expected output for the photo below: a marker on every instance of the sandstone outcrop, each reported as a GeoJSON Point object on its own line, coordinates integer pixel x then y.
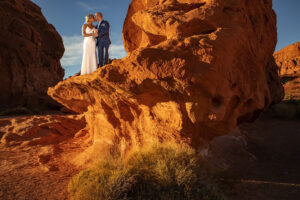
{"type": "Point", "coordinates": [288, 61]}
{"type": "Point", "coordinates": [30, 53]}
{"type": "Point", "coordinates": [35, 152]}
{"type": "Point", "coordinates": [194, 70]}
{"type": "Point", "coordinates": [40, 130]}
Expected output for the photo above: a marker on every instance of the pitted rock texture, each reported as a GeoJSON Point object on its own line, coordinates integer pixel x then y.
{"type": "Point", "coordinates": [288, 61]}
{"type": "Point", "coordinates": [30, 53]}
{"type": "Point", "coordinates": [194, 70]}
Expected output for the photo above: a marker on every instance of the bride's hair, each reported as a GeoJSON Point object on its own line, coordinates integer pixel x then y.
{"type": "Point", "coordinates": [88, 17]}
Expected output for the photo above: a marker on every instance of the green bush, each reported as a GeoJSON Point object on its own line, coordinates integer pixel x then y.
{"type": "Point", "coordinates": [160, 173]}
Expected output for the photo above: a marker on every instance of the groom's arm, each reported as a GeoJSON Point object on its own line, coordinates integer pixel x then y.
{"type": "Point", "coordinates": [104, 29]}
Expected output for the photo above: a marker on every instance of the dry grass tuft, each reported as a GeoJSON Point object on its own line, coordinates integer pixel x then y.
{"type": "Point", "coordinates": [163, 172]}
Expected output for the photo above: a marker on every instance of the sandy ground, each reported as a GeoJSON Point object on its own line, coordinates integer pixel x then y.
{"type": "Point", "coordinates": [41, 170]}
{"type": "Point", "coordinates": [276, 174]}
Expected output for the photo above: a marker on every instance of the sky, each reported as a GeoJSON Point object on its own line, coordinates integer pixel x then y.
{"type": "Point", "coordinates": [68, 16]}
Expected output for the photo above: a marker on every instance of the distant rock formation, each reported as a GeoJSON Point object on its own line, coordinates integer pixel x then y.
{"type": "Point", "coordinates": [195, 70]}
{"type": "Point", "coordinates": [288, 61]}
{"type": "Point", "coordinates": [30, 53]}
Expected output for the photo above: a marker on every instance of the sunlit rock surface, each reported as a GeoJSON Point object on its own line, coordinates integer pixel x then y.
{"type": "Point", "coordinates": [288, 61]}
{"type": "Point", "coordinates": [194, 70]}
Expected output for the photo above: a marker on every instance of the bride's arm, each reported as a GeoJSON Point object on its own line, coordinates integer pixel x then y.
{"type": "Point", "coordinates": [84, 34]}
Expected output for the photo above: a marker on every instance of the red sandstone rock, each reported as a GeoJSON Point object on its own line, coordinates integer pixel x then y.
{"type": "Point", "coordinates": [288, 61]}
{"type": "Point", "coordinates": [195, 69]}
{"type": "Point", "coordinates": [40, 130]}
{"type": "Point", "coordinates": [33, 146]}
{"type": "Point", "coordinates": [30, 53]}
{"type": "Point", "coordinates": [274, 82]}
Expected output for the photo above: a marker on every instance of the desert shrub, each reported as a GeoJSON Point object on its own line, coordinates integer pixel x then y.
{"type": "Point", "coordinates": [158, 173]}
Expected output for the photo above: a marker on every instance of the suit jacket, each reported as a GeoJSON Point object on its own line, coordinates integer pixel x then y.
{"type": "Point", "coordinates": [103, 33]}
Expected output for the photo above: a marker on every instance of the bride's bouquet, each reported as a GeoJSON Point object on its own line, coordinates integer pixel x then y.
{"type": "Point", "coordinates": [95, 31]}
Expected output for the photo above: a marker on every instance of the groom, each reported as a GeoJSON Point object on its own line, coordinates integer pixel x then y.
{"type": "Point", "coordinates": [103, 40]}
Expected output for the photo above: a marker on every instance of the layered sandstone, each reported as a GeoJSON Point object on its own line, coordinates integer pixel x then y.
{"type": "Point", "coordinates": [288, 61]}
{"type": "Point", "coordinates": [35, 152]}
{"type": "Point", "coordinates": [40, 130]}
{"type": "Point", "coordinates": [30, 53]}
{"type": "Point", "coordinates": [194, 70]}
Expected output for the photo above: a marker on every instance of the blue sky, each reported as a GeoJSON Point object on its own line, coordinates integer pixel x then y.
{"type": "Point", "coordinates": [68, 16]}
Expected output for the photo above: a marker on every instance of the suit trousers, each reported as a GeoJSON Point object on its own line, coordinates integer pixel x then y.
{"type": "Point", "coordinates": [103, 54]}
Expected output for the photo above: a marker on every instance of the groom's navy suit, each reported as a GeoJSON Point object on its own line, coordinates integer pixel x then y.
{"type": "Point", "coordinates": [103, 42]}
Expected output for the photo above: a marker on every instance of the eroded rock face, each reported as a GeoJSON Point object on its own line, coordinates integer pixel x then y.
{"type": "Point", "coordinates": [195, 69]}
{"type": "Point", "coordinates": [30, 53]}
{"type": "Point", "coordinates": [40, 130]}
{"type": "Point", "coordinates": [288, 61]}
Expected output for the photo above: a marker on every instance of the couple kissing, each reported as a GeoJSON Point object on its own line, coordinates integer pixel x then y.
{"type": "Point", "coordinates": [95, 37]}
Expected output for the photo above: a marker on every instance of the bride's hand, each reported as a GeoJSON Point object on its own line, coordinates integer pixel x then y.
{"type": "Point", "coordinates": [95, 33]}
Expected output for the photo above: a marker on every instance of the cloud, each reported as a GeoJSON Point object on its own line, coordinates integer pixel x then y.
{"type": "Point", "coordinates": [74, 49]}
{"type": "Point", "coordinates": [117, 51]}
{"type": "Point", "coordinates": [88, 7]}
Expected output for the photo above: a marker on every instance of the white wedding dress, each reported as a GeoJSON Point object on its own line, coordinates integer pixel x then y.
{"type": "Point", "coordinates": [89, 60]}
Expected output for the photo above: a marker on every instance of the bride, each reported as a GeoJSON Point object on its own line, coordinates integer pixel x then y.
{"type": "Point", "coordinates": [89, 32]}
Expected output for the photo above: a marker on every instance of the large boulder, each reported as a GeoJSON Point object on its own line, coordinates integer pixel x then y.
{"type": "Point", "coordinates": [30, 55]}
{"type": "Point", "coordinates": [194, 70]}
{"type": "Point", "coordinates": [288, 61]}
